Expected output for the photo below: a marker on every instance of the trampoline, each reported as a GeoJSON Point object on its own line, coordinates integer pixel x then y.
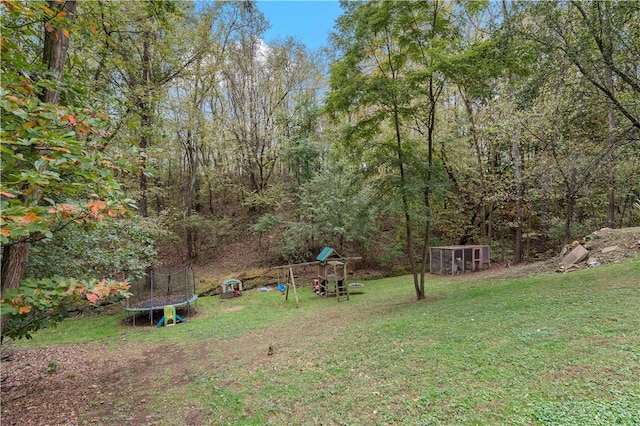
{"type": "Point", "coordinates": [162, 287]}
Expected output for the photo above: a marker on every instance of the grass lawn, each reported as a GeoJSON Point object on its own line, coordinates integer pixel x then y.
{"type": "Point", "coordinates": [549, 349]}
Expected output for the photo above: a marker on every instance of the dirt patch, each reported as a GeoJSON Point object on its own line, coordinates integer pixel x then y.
{"type": "Point", "coordinates": [233, 309]}
{"type": "Point", "coordinates": [81, 383]}
{"type": "Point", "coordinates": [34, 380]}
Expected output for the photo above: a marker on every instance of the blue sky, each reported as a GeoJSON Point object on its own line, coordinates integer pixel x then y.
{"type": "Point", "coordinates": [308, 21]}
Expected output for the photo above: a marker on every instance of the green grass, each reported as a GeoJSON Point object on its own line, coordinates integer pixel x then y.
{"type": "Point", "coordinates": [546, 350]}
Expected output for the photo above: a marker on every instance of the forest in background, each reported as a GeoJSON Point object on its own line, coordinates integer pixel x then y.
{"type": "Point", "coordinates": [140, 131]}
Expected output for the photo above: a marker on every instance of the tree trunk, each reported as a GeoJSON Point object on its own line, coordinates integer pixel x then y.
{"type": "Point", "coordinates": [405, 205]}
{"type": "Point", "coordinates": [56, 46]}
{"type": "Point", "coordinates": [571, 204]}
{"type": "Point", "coordinates": [431, 124]}
{"type": "Point", "coordinates": [483, 186]}
{"type": "Point", "coordinates": [192, 167]}
{"type": "Point", "coordinates": [146, 123]}
{"type": "Point", "coordinates": [517, 174]}
{"type": "Point", "coordinates": [517, 246]}
{"type": "Point", "coordinates": [611, 131]}
{"type": "Point", "coordinates": [611, 197]}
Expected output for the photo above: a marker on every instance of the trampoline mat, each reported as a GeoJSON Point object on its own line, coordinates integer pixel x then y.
{"type": "Point", "coordinates": [159, 302]}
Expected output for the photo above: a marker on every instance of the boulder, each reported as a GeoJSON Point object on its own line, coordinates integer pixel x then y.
{"type": "Point", "coordinates": [577, 255]}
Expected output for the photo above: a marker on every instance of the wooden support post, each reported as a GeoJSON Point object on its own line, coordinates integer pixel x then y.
{"type": "Point", "coordinates": [293, 283]}
{"type": "Point", "coordinates": [346, 284]}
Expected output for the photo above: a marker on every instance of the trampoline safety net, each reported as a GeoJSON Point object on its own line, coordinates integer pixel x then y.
{"type": "Point", "coordinates": [160, 288]}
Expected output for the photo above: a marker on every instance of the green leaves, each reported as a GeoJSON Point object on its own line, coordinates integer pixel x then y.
{"type": "Point", "coordinates": [51, 157]}
{"type": "Point", "coordinates": [39, 304]}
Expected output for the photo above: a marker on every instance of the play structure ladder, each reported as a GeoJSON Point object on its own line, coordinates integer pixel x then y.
{"type": "Point", "coordinates": [341, 291]}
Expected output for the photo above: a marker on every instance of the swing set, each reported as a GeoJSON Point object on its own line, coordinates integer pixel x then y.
{"type": "Point", "coordinates": [332, 276]}
{"type": "Point", "coordinates": [284, 287]}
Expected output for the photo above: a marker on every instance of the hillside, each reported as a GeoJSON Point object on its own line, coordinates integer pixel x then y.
{"type": "Point", "coordinates": [251, 263]}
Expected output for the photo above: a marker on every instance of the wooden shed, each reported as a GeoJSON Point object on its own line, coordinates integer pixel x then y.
{"type": "Point", "coordinates": [452, 260]}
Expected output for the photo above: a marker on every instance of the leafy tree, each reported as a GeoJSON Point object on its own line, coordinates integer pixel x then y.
{"type": "Point", "coordinates": [334, 209]}
{"type": "Point", "coordinates": [191, 117]}
{"type": "Point", "coordinates": [120, 249]}
{"type": "Point", "coordinates": [597, 42]}
{"type": "Point", "coordinates": [53, 173]}
{"type": "Point", "coordinates": [259, 81]}
{"type": "Point", "coordinates": [388, 84]}
{"type": "Point", "coordinates": [42, 303]}
{"type": "Point", "coordinates": [136, 58]}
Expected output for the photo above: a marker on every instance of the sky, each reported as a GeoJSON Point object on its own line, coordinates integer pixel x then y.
{"type": "Point", "coordinates": [308, 21]}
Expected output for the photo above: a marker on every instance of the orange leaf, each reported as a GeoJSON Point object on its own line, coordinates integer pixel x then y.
{"type": "Point", "coordinates": [24, 309]}
{"type": "Point", "coordinates": [29, 125]}
{"type": "Point", "coordinates": [65, 32]}
{"type": "Point", "coordinates": [30, 217]}
{"type": "Point", "coordinates": [96, 206]}
{"type": "Point", "coordinates": [48, 11]}
{"type": "Point", "coordinates": [93, 29]}
{"type": "Point", "coordinates": [69, 208]}
{"type": "Point", "coordinates": [61, 14]}
{"type": "Point", "coordinates": [111, 213]}
{"type": "Point", "coordinates": [48, 26]}
{"type": "Point", "coordinates": [6, 194]}
{"type": "Point", "coordinates": [44, 157]}
{"type": "Point", "coordinates": [5, 232]}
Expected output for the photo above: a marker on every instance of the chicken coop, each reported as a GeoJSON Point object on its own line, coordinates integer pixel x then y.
{"type": "Point", "coordinates": [452, 260]}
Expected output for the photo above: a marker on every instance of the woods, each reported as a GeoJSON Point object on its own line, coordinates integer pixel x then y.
{"type": "Point", "coordinates": [134, 132]}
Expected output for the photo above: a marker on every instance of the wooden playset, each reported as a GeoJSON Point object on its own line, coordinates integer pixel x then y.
{"type": "Point", "coordinates": [331, 278]}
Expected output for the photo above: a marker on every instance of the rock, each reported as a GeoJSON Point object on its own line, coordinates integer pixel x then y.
{"type": "Point", "coordinates": [609, 249]}
{"type": "Point", "coordinates": [578, 254]}
{"type": "Point", "coordinates": [593, 262]}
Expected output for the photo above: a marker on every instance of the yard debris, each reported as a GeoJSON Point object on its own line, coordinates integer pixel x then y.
{"type": "Point", "coordinates": [612, 246]}
{"type": "Point", "coordinates": [593, 262]}
{"type": "Point", "coordinates": [576, 255]}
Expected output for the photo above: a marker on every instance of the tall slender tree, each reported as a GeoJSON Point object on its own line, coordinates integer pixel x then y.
{"type": "Point", "coordinates": [388, 84]}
